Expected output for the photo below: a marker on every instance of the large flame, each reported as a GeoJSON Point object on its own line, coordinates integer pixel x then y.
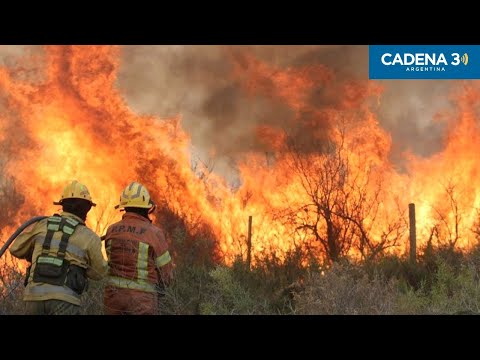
{"type": "Point", "coordinates": [69, 121]}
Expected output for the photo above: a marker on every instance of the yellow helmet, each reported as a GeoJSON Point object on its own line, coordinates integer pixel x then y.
{"type": "Point", "coordinates": [75, 190]}
{"type": "Point", "coordinates": [135, 195]}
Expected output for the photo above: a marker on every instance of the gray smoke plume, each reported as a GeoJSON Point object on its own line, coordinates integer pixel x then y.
{"type": "Point", "coordinates": [221, 118]}
{"type": "Point", "coordinates": [196, 81]}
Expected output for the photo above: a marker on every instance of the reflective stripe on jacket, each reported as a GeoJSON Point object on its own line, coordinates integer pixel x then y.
{"type": "Point", "coordinates": [136, 250]}
{"type": "Point", "coordinates": [84, 249]}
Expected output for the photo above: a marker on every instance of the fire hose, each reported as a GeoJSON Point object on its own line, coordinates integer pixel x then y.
{"type": "Point", "coordinates": [18, 231]}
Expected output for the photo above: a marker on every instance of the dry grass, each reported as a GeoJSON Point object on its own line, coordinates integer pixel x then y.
{"type": "Point", "coordinates": [443, 285]}
{"type": "Point", "coordinates": [345, 290]}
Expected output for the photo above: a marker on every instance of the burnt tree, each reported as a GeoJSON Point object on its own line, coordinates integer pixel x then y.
{"type": "Point", "coordinates": [345, 210]}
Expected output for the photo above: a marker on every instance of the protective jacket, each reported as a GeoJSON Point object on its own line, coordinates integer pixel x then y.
{"type": "Point", "coordinates": [138, 255]}
{"type": "Point", "coordinates": [66, 251]}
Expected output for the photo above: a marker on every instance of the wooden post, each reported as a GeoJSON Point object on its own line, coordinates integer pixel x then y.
{"type": "Point", "coordinates": [249, 242]}
{"type": "Point", "coordinates": [413, 234]}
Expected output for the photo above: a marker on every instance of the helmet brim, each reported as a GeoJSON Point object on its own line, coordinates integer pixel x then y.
{"type": "Point", "coordinates": [60, 202]}
{"type": "Point", "coordinates": [139, 207]}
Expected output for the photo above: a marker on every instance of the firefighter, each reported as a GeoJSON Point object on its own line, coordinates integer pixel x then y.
{"type": "Point", "coordinates": [64, 253]}
{"type": "Point", "coordinates": [139, 260]}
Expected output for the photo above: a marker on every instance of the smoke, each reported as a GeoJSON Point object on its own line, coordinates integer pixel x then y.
{"type": "Point", "coordinates": [9, 53]}
{"type": "Point", "coordinates": [221, 118]}
{"type": "Point", "coordinates": [89, 116]}
{"type": "Point", "coordinates": [412, 111]}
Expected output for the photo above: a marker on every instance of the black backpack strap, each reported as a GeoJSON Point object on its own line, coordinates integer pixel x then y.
{"type": "Point", "coordinates": [55, 270]}
{"type": "Point", "coordinates": [68, 228]}
{"type": "Point", "coordinates": [53, 225]}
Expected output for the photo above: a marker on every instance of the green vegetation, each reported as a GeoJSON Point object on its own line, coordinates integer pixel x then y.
{"type": "Point", "coordinates": [443, 281]}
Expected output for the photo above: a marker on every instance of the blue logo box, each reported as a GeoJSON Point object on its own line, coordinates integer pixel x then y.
{"type": "Point", "coordinates": [424, 61]}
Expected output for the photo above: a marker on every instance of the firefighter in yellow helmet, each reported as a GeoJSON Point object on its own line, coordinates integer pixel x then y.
{"type": "Point", "coordinates": [138, 257]}
{"type": "Point", "coordinates": [64, 254]}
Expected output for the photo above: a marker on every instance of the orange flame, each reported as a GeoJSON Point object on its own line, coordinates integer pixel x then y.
{"type": "Point", "coordinates": [71, 122]}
